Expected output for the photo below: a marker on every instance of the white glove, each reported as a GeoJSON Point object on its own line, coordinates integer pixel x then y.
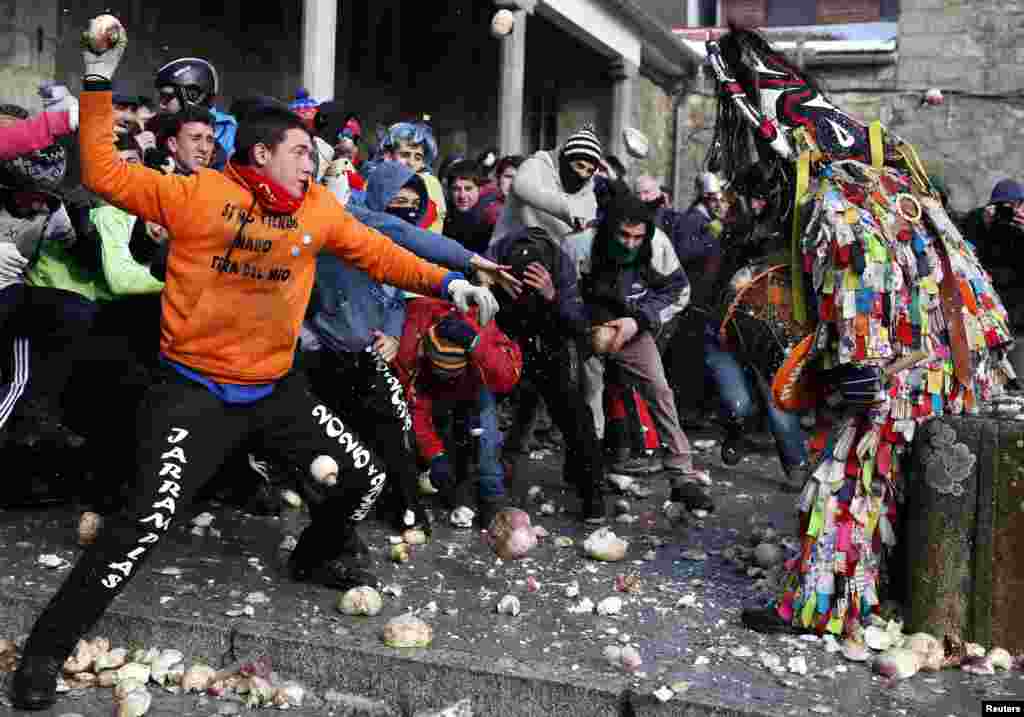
{"type": "Point", "coordinates": [57, 98]}
{"type": "Point", "coordinates": [12, 265]}
{"type": "Point", "coordinates": [463, 294]}
{"type": "Point", "coordinates": [103, 44]}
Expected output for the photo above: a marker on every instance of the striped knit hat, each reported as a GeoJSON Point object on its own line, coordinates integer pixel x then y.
{"type": "Point", "coordinates": [583, 145]}
{"type": "Point", "coordinates": [446, 359]}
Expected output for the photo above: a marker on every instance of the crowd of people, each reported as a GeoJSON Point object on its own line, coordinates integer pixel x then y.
{"type": "Point", "coordinates": [280, 300]}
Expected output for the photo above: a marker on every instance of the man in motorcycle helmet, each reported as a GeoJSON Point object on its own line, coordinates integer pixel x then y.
{"type": "Point", "coordinates": [192, 81]}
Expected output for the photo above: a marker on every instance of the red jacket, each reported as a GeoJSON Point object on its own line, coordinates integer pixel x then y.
{"type": "Point", "coordinates": [496, 363]}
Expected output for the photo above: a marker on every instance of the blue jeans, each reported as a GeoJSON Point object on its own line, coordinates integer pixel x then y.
{"type": "Point", "coordinates": [484, 415]}
{"type": "Point", "coordinates": [737, 387]}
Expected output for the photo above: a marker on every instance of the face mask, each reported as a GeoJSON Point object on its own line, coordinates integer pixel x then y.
{"type": "Point", "coordinates": [653, 204]}
{"type": "Point", "coordinates": [620, 254]}
{"type": "Point", "coordinates": [409, 214]}
{"type": "Point", "coordinates": [571, 181]}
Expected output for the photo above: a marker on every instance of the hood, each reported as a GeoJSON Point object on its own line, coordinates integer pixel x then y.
{"type": "Point", "coordinates": [623, 207]}
{"type": "Point", "coordinates": [385, 181]}
{"type": "Point", "coordinates": [222, 119]}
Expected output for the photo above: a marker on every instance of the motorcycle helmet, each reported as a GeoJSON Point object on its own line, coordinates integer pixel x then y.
{"type": "Point", "coordinates": [194, 80]}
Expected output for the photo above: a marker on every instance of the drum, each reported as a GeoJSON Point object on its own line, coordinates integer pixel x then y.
{"type": "Point", "coordinates": [758, 324]}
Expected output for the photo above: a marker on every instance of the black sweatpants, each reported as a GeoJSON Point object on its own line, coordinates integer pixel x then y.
{"type": "Point", "coordinates": [184, 434]}
{"type": "Point", "coordinates": [368, 395]}
{"type": "Point", "coordinates": [41, 328]}
{"type": "Point", "coordinates": [556, 367]}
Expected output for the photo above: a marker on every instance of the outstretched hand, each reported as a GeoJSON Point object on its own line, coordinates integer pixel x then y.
{"type": "Point", "coordinates": [103, 44]}
{"type": "Point", "coordinates": [491, 273]}
{"type": "Point", "coordinates": [463, 294]}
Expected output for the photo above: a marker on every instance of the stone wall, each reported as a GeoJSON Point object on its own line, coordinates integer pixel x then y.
{"type": "Point", "coordinates": [972, 51]}
{"type": "Point", "coordinates": [28, 41]}
{"type": "Point", "coordinates": [652, 115]}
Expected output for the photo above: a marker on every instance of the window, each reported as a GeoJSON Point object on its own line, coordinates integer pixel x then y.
{"type": "Point", "coordinates": [790, 13]}
{"type": "Point", "coordinates": [542, 120]}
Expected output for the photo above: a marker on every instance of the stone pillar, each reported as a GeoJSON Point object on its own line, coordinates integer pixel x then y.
{"type": "Point", "coordinates": [676, 178]}
{"type": "Point", "coordinates": [693, 13]}
{"type": "Point", "coordinates": [623, 75]}
{"type": "Point", "coordinates": [512, 80]}
{"type": "Point", "coordinates": [319, 32]}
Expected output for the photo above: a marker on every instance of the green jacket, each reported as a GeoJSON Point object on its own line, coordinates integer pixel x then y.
{"type": "Point", "coordinates": [119, 274]}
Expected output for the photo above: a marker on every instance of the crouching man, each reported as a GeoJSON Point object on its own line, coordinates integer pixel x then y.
{"type": "Point", "coordinates": [632, 284]}
{"type": "Point", "coordinates": [447, 360]}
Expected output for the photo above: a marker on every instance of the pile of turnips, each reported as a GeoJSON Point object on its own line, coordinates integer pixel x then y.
{"type": "Point", "coordinates": [130, 674]}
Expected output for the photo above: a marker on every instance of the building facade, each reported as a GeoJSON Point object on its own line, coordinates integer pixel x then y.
{"type": "Point", "coordinates": [566, 62]}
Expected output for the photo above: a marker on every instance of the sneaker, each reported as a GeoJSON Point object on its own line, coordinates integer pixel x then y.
{"type": "Point", "coordinates": [796, 478]}
{"type": "Point", "coordinates": [34, 686]}
{"type": "Point", "coordinates": [766, 620]}
{"type": "Point", "coordinates": [692, 496]}
{"type": "Point", "coordinates": [655, 464]}
{"type": "Point", "coordinates": [424, 485]}
{"type": "Point", "coordinates": [632, 466]}
{"type": "Point", "coordinates": [732, 448]}
{"type": "Point", "coordinates": [336, 574]}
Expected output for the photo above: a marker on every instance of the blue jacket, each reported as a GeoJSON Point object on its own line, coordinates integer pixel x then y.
{"type": "Point", "coordinates": [347, 304]}
{"type": "Point", "coordinates": [225, 127]}
{"type": "Point", "coordinates": [697, 246]}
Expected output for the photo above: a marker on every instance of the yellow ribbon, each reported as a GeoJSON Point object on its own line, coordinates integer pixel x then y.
{"type": "Point", "coordinates": [877, 150]}
{"type": "Point", "coordinates": [803, 178]}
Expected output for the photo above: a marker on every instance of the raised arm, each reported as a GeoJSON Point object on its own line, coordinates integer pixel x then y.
{"type": "Point", "coordinates": [146, 193]}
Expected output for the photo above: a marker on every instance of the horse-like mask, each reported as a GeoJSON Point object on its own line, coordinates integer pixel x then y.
{"type": "Point", "coordinates": [775, 98]}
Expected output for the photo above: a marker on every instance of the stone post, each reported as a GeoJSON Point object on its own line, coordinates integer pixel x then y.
{"type": "Point", "coordinates": [512, 79]}
{"type": "Point", "coordinates": [623, 75]}
{"type": "Point", "coordinates": [319, 33]}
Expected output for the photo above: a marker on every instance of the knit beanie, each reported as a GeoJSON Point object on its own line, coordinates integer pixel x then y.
{"type": "Point", "coordinates": [304, 106]}
{"type": "Point", "coordinates": [583, 145]}
{"type": "Point", "coordinates": [446, 358]}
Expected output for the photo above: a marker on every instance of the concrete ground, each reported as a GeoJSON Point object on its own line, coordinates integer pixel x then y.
{"type": "Point", "coordinates": [545, 661]}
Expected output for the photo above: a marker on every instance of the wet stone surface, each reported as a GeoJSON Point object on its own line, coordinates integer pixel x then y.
{"type": "Point", "coordinates": [697, 646]}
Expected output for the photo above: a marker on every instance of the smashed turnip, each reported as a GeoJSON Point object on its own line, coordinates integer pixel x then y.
{"type": "Point", "coordinates": [603, 544]}
{"type": "Point", "coordinates": [407, 631]}
{"type": "Point", "coordinates": [362, 600]}
{"type": "Point", "coordinates": [897, 663]}
{"type": "Point", "coordinates": [511, 534]}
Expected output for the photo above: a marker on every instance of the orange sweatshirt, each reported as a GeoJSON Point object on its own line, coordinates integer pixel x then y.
{"type": "Point", "coordinates": [232, 309]}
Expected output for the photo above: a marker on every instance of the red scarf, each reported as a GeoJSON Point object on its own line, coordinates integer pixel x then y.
{"type": "Point", "coordinates": [271, 196]}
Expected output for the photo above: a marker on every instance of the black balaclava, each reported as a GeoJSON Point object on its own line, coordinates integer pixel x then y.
{"type": "Point", "coordinates": [409, 214]}
{"type": "Point", "coordinates": [571, 181]}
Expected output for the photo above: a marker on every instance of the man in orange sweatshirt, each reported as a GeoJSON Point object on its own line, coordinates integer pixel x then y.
{"type": "Point", "coordinates": [239, 276]}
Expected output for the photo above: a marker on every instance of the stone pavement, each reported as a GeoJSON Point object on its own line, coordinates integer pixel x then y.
{"type": "Point", "coordinates": [545, 661]}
